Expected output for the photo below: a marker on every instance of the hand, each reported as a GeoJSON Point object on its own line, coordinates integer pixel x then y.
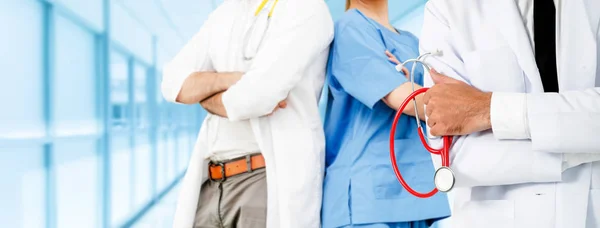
{"type": "Point", "coordinates": [281, 104]}
{"type": "Point", "coordinates": [455, 108]}
{"type": "Point", "coordinates": [393, 59]}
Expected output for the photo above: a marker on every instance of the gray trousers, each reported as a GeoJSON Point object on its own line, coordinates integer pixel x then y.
{"type": "Point", "coordinates": [239, 201]}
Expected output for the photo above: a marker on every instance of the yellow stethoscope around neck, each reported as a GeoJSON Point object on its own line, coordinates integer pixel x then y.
{"type": "Point", "coordinates": [257, 31]}
{"type": "Point", "coordinates": [262, 6]}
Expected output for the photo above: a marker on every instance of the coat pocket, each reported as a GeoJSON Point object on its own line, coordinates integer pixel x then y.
{"type": "Point", "coordinates": [486, 213]}
{"type": "Point", "coordinates": [495, 70]}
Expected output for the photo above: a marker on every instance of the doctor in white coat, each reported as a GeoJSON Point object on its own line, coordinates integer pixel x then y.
{"type": "Point", "coordinates": [282, 55]}
{"type": "Point", "coordinates": [526, 151]}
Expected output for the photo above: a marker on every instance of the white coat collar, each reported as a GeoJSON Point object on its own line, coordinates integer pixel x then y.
{"type": "Point", "coordinates": [504, 14]}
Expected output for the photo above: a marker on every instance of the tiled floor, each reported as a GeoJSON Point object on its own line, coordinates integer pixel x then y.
{"type": "Point", "coordinates": [161, 215]}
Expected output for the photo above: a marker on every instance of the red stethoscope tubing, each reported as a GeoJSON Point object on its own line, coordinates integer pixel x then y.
{"type": "Point", "coordinates": [444, 151]}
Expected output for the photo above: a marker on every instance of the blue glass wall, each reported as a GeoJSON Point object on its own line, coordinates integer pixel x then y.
{"type": "Point", "coordinates": [86, 139]}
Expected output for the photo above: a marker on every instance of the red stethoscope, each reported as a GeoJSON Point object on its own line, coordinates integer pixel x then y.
{"type": "Point", "coordinates": [444, 176]}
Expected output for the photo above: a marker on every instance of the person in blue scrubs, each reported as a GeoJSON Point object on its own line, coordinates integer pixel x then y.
{"type": "Point", "coordinates": [360, 188]}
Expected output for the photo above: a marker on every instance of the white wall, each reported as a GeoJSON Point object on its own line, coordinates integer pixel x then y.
{"type": "Point", "coordinates": [412, 21]}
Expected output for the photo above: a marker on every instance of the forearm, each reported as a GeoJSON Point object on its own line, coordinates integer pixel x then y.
{"type": "Point", "coordinates": [214, 105]}
{"type": "Point", "coordinates": [398, 95]}
{"type": "Point", "coordinates": [201, 85]}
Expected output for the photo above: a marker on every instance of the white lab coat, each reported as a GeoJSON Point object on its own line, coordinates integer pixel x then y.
{"type": "Point", "coordinates": [289, 65]}
{"type": "Point", "coordinates": [518, 183]}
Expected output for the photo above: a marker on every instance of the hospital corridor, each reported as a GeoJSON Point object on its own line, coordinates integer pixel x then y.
{"type": "Point", "coordinates": [86, 139]}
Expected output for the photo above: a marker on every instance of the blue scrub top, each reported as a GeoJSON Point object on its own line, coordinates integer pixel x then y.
{"type": "Point", "coordinates": [360, 186]}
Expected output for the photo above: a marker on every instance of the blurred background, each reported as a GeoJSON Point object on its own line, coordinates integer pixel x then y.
{"type": "Point", "coordinates": [86, 139]}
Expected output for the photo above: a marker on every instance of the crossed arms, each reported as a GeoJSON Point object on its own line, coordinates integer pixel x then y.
{"type": "Point", "coordinates": [207, 88]}
{"type": "Point", "coordinates": [276, 69]}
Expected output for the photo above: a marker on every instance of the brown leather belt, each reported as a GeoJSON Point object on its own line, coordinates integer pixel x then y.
{"type": "Point", "coordinates": [221, 170]}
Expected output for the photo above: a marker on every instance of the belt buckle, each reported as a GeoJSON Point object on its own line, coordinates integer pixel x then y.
{"type": "Point", "coordinates": [249, 163]}
{"type": "Point", "coordinates": [222, 165]}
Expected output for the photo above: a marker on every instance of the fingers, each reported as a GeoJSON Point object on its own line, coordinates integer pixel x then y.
{"type": "Point", "coordinates": [439, 126]}
{"type": "Point", "coordinates": [428, 111]}
{"type": "Point", "coordinates": [427, 97]}
{"type": "Point", "coordinates": [391, 57]}
{"type": "Point", "coordinates": [433, 118]}
{"type": "Point", "coordinates": [389, 54]}
{"type": "Point", "coordinates": [440, 78]}
{"type": "Point", "coordinates": [431, 123]}
{"type": "Point", "coordinates": [436, 77]}
{"type": "Point", "coordinates": [282, 104]}
{"type": "Point", "coordinates": [441, 130]}
{"type": "Point", "coordinates": [434, 93]}
{"type": "Point", "coordinates": [406, 73]}
{"type": "Point", "coordinates": [393, 60]}
{"type": "Point", "coordinates": [435, 131]}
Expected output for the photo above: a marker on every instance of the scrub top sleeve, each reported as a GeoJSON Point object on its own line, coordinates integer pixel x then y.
{"type": "Point", "coordinates": [360, 65]}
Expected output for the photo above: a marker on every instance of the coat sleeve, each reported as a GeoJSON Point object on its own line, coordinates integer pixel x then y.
{"type": "Point", "coordinates": [479, 159]}
{"type": "Point", "coordinates": [566, 122]}
{"type": "Point", "coordinates": [193, 57]}
{"type": "Point", "coordinates": [301, 30]}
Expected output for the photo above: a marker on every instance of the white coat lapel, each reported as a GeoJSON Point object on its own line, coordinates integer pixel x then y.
{"type": "Point", "coordinates": [593, 14]}
{"type": "Point", "coordinates": [192, 181]}
{"type": "Point", "coordinates": [577, 41]}
{"type": "Point", "coordinates": [505, 15]}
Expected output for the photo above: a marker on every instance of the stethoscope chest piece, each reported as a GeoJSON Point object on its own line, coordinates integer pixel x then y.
{"type": "Point", "coordinates": [444, 179]}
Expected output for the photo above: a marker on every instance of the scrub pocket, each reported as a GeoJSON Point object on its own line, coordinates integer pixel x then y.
{"type": "Point", "coordinates": [414, 163]}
